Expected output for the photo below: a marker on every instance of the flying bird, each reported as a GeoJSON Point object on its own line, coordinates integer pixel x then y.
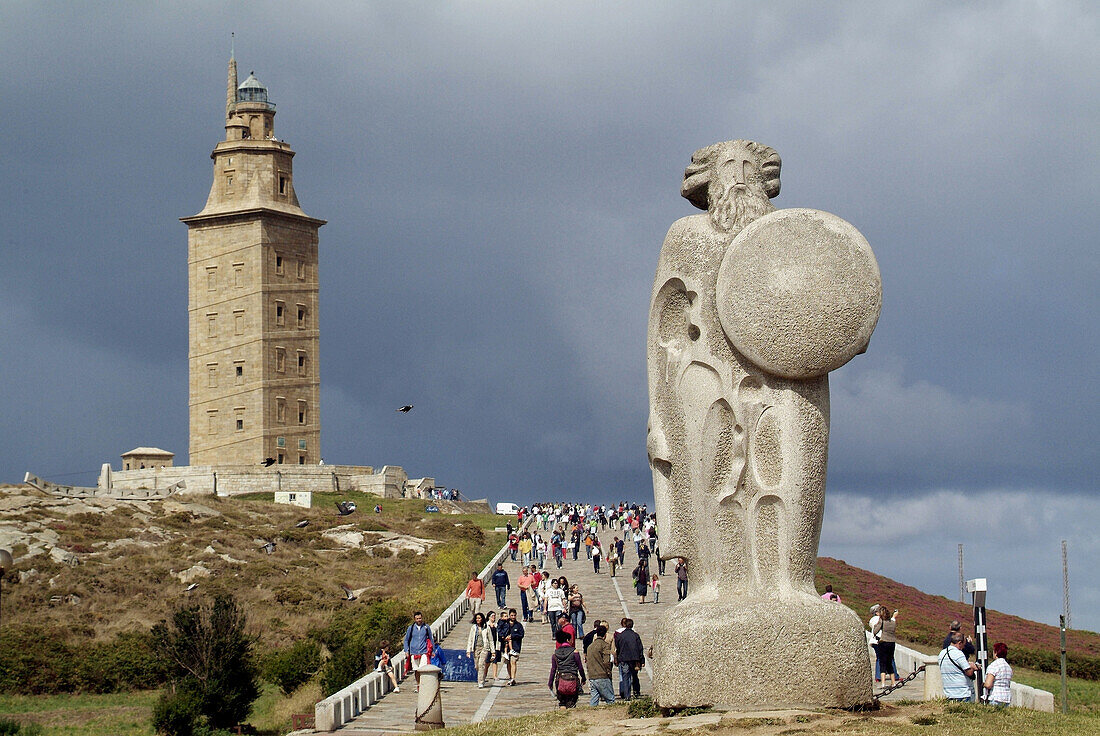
{"type": "Point", "coordinates": [268, 462]}
{"type": "Point", "coordinates": [406, 408]}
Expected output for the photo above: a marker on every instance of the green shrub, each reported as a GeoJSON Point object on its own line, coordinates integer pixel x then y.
{"type": "Point", "coordinates": [128, 662]}
{"type": "Point", "coordinates": [346, 665]}
{"type": "Point", "coordinates": [209, 657]}
{"type": "Point", "coordinates": [36, 661]}
{"type": "Point", "coordinates": [290, 668]}
{"type": "Point", "coordinates": [178, 712]}
{"type": "Point", "coordinates": [355, 634]}
{"type": "Point", "coordinates": [1077, 665]}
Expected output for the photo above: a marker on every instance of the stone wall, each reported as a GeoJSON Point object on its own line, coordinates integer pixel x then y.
{"type": "Point", "coordinates": [234, 480]}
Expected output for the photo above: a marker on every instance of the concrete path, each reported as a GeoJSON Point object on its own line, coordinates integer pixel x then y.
{"type": "Point", "coordinates": [607, 598]}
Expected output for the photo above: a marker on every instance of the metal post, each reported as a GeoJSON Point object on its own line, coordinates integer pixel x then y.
{"type": "Point", "coordinates": [1062, 626]}
{"type": "Point", "coordinates": [1065, 587]}
{"type": "Point", "coordinates": [977, 588]}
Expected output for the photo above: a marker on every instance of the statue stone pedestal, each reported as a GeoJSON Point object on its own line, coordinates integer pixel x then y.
{"type": "Point", "coordinates": [799, 652]}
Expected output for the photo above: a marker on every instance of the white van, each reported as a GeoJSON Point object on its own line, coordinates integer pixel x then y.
{"type": "Point", "coordinates": [510, 509]}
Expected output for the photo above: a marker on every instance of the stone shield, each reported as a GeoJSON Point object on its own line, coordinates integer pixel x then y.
{"type": "Point", "coordinates": [799, 292]}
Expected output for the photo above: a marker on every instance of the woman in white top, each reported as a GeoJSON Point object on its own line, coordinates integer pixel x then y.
{"type": "Point", "coordinates": [540, 552]}
{"type": "Point", "coordinates": [543, 589]}
{"type": "Point", "coordinates": [998, 680]}
{"type": "Point", "coordinates": [555, 604]}
{"type": "Point", "coordinates": [479, 647]}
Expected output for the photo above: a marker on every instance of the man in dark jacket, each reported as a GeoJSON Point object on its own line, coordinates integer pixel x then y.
{"type": "Point", "coordinates": [587, 641]}
{"type": "Point", "coordinates": [501, 583]}
{"type": "Point", "coordinates": [510, 634]}
{"type": "Point", "coordinates": [630, 657]}
{"type": "Point", "coordinates": [967, 648]}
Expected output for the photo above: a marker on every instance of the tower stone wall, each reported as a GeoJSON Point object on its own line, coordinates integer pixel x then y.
{"type": "Point", "coordinates": [253, 338]}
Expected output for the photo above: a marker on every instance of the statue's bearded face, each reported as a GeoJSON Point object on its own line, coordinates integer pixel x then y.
{"type": "Point", "coordinates": [737, 193]}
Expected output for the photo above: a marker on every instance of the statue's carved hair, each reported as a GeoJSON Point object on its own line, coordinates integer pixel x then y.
{"type": "Point", "coordinates": [697, 176]}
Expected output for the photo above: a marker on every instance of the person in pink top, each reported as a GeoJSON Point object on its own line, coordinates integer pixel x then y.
{"type": "Point", "coordinates": [829, 595]}
{"type": "Point", "coordinates": [527, 581]}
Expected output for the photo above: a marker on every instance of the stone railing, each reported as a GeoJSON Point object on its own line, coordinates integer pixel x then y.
{"type": "Point", "coordinates": [344, 705]}
{"type": "Point", "coordinates": [115, 494]}
{"type": "Point", "coordinates": [908, 660]}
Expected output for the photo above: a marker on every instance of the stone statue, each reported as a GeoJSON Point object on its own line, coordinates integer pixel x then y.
{"type": "Point", "coordinates": [751, 308]}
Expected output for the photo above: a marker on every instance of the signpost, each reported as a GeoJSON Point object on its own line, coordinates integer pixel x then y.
{"type": "Point", "coordinates": [977, 589]}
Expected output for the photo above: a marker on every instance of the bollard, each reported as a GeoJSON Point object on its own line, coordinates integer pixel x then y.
{"type": "Point", "coordinates": [429, 702]}
{"type": "Point", "coordinates": [933, 681]}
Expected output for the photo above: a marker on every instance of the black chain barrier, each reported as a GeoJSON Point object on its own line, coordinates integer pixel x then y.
{"type": "Point", "coordinates": [901, 683]}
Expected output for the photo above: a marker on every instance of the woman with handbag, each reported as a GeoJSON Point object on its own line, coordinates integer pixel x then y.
{"type": "Point", "coordinates": [886, 631]}
{"type": "Point", "coordinates": [566, 672]}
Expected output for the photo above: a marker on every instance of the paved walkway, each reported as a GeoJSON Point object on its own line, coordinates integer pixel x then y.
{"type": "Point", "coordinates": [607, 598]}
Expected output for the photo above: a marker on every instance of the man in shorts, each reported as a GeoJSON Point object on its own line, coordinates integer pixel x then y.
{"type": "Point", "coordinates": [510, 633]}
{"type": "Point", "coordinates": [417, 639]}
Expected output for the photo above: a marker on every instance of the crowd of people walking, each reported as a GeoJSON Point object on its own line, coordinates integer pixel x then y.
{"type": "Point", "coordinates": [545, 540]}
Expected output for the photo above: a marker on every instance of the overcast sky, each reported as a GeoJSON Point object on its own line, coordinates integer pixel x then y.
{"type": "Point", "coordinates": [497, 180]}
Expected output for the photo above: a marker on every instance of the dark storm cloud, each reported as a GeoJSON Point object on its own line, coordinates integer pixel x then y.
{"type": "Point", "coordinates": [498, 179]}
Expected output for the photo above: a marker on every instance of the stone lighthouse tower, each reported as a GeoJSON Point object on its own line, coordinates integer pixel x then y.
{"type": "Point", "coordinates": [252, 299]}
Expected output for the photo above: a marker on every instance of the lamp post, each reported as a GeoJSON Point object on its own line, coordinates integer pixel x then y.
{"type": "Point", "coordinates": [5, 564]}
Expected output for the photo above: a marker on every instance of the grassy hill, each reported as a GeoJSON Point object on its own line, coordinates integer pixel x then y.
{"type": "Point", "coordinates": [924, 620]}
{"type": "Point", "coordinates": [91, 576]}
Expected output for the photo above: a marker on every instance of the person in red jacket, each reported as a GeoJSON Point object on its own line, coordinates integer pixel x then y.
{"type": "Point", "coordinates": [475, 593]}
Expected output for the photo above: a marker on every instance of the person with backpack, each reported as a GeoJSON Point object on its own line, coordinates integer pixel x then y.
{"type": "Point", "coordinates": [418, 643]}
{"type": "Point", "coordinates": [566, 672]}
